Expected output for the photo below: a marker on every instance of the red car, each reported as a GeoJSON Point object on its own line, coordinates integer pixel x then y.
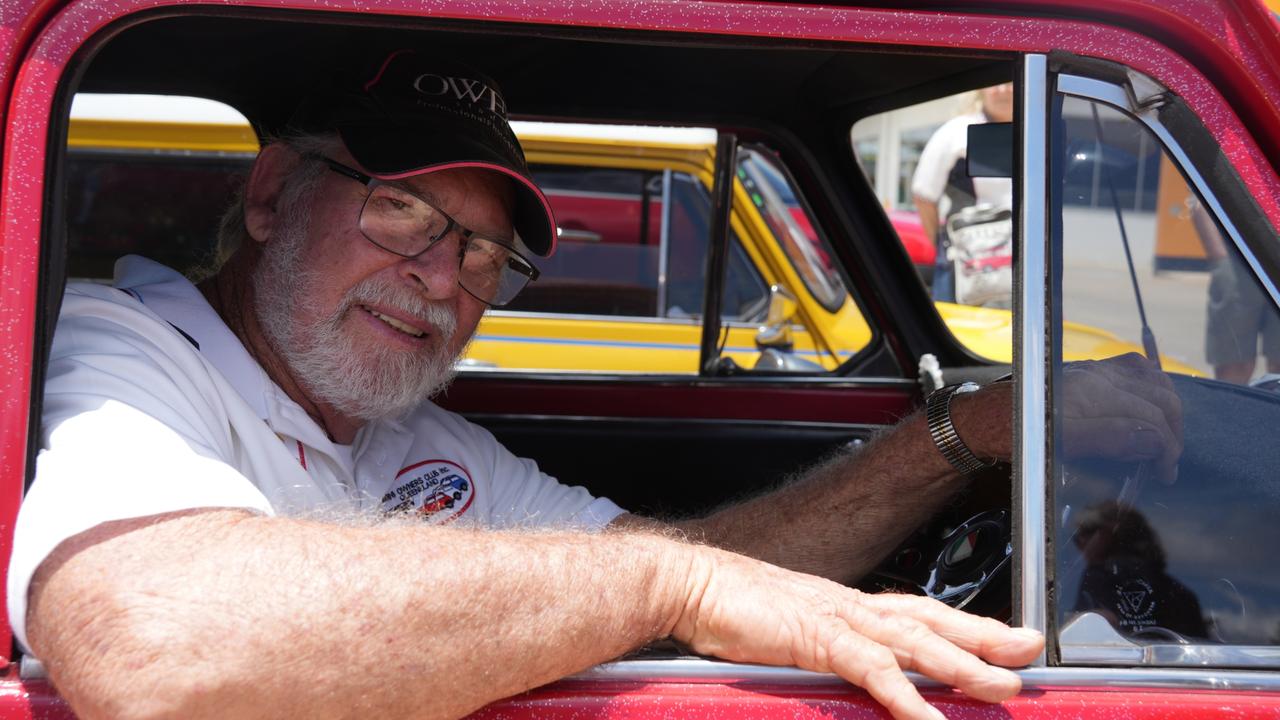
{"type": "Point", "coordinates": [919, 247]}
{"type": "Point", "coordinates": [436, 503]}
{"type": "Point", "coordinates": [1159, 599]}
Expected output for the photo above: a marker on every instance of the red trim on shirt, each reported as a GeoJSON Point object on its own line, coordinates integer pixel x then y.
{"type": "Point", "coordinates": [302, 455]}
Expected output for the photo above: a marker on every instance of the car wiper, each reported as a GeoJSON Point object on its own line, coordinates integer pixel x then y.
{"type": "Point", "coordinates": [1148, 337]}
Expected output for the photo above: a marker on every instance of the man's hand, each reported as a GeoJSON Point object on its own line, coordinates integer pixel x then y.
{"type": "Point", "coordinates": [743, 610]}
{"type": "Point", "coordinates": [1122, 408]}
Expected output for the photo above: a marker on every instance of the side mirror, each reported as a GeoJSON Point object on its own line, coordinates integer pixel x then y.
{"type": "Point", "coordinates": [776, 330]}
{"type": "Point", "coordinates": [990, 150]}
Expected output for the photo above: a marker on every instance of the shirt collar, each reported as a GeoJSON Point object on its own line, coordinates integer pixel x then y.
{"type": "Point", "coordinates": [169, 294]}
{"type": "Point", "coordinates": [173, 297]}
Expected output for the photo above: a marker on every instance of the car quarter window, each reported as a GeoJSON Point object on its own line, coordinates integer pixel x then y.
{"type": "Point", "coordinates": [1160, 561]}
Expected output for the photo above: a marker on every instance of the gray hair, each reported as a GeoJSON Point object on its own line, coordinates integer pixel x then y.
{"type": "Point", "coordinates": [301, 182]}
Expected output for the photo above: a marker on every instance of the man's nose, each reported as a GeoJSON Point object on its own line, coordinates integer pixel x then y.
{"type": "Point", "coordinates": [435, 272]}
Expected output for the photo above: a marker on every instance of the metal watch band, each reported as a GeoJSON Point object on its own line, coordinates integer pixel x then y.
{"type": "Point", "coordinates": [943, 431]}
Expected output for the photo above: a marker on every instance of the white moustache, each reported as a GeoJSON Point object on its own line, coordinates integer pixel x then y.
{"type": "Point", "coordinates": [378, 293]}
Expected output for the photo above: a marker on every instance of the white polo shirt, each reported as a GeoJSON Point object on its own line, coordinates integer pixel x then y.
{"type": "Point", "coordinates": [152, 405]}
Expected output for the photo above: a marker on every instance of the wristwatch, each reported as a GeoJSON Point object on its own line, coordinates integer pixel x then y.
{"type": "Point", "coordinates": [943, 431]}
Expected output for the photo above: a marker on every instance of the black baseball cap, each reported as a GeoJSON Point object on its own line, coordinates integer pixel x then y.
{"type": "Point", "coordinates": [417, 113]}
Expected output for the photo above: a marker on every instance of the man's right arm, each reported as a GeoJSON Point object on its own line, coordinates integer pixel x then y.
{"type": "Point", "coordinates": [929, 181]}
{"type": "Point", "coordinates": [221, 612]}
{"type": "Point", "coordinates": [928, 211]}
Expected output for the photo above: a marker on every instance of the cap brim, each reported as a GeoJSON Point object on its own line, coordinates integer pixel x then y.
{"type": "Point", "coordinates": [394, 153]}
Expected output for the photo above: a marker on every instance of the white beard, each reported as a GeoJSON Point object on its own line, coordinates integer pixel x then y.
{"type": "Point", "coordinates": [363, 380]}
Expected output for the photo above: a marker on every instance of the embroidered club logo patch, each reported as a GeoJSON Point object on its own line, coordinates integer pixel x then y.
{"type": "Point", "coordinates": [437, 490]}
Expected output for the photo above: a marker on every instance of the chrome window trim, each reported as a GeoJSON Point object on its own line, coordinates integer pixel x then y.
{"type": "Point", "coordinates": [696, 669]}
{"type": "Point", "coordinates": [685, 670]}
{"type": "Point", "coordinates": [183, 156]}
{"type": "Point", "coordinates": [1031, 465]}
{"type": "Point", "coordinates": [664, 243]}
{"type": "Point", "coordinates": [1172, 655]}
{"type": "Point", "coordinates": [692, 321]}
{"type": "Point", "coordinates": [1089, 639]}
{"type": "Point", "coordinates": [690, 379]}
{"type": "Point", "coordinates": [856, 428]}
{"type": "Point", "coordinates": [1145, 110]}
{"type": "Point", "coordinates": [1117, 97]}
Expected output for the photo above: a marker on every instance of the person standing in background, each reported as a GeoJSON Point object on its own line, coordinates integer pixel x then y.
{"type": "Point", "coordinates": [941, 186]}
{"type": "Point", "coordinates": [1239, 312]}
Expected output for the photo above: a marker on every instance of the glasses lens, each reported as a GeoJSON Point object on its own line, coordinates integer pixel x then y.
{"type": "Point", "coordinates": [492, 271]}
{"type": "Point", "coordinates": [399, 221]}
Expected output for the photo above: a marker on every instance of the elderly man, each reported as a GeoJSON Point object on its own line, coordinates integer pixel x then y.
{"type": "Point", "coordinates": [245, 500]}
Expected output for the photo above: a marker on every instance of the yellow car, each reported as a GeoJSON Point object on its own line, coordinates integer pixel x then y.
{"type": "Point", "coordinates": [623, 292]}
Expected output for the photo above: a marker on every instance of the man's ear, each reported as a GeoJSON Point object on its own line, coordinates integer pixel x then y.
{"type": "Point", "coordinates": [262, 191]}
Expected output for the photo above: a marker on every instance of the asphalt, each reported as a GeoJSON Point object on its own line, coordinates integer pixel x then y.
{"type": "Point", "coordinates": [1098, 291]}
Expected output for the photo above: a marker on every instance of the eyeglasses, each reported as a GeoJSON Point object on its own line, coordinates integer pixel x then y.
{"type": "Point", "coordinates": [404, 224]}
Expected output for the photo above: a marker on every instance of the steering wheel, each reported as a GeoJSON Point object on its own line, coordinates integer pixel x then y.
{"type": "Point", "coordinates": [974, 556]}
{"type": "Point", "coordinates": [962, 557]}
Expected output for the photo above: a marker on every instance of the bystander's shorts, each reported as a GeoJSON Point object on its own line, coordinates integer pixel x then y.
{"type": "Point", "coordinates": [1239, 311]}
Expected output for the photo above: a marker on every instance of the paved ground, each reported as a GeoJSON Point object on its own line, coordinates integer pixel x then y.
{"type": "Point", "coordinates": [1098, 291]}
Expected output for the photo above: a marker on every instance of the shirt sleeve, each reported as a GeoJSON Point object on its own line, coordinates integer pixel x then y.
{"type": "Point", "coordinates": [945, 146]}
{"type": "Point", "coordinates": [128, 430]}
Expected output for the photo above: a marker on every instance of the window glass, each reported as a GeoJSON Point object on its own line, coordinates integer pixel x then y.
{"type": "Point", "coordinates": [776, 200]}
{"type": "Point", "coordinates": [745, 291]}
{"type": "Point", "coordinates": [956, 229]}
{"type": "Point", "coordinates": [824, 321]}
{"type": "Point", "coordinates": [162, 205]}
{"type": "Point", "coordinates": [607, 255]}
{"type": "Point", "coordinates": [1164, 553]}
{"type": "Point", "coordinates": [612, 257]}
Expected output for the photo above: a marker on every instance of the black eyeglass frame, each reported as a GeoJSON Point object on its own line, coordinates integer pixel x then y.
{"type": "Point", "coordinates": [526, 268]}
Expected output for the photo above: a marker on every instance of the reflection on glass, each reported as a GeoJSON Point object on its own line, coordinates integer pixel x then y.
{"type": "Point", "coordinates": [1167, 481]}
{"type": "Point", "coordinates": [1240, 315]}
{"type": "Point", "coordinates": [1125, 576]}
